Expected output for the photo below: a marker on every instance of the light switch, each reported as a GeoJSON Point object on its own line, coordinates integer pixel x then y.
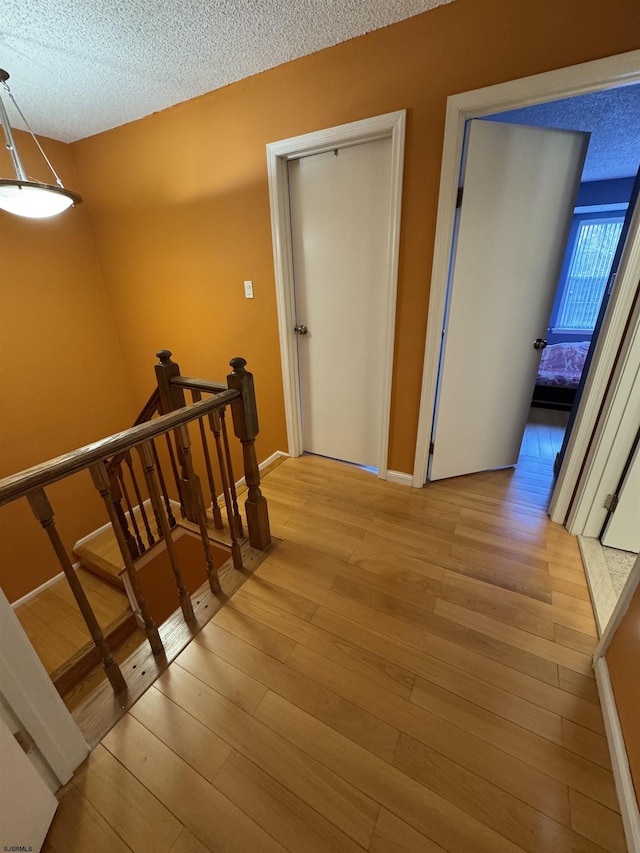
{"type": "Point", "coordinates": [248, 289]}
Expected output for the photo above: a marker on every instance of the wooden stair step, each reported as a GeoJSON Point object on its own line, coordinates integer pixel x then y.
{"type": "Point", "coordinates": [56, 628]}
{"type": "Point", "coordinates": [99, 553]}
{"type": "Point", "coordinates": [77, 668]}
{"type": "Point", "coordinates": [219, 537]}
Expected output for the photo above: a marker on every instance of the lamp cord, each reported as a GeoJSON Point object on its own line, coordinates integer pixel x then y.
{"type": "Point", "coordinates": [33, 136]}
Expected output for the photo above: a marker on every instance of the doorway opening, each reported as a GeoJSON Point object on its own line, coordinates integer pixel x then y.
{"type": "Point", "coordinates": [601, 217]}
{"type": "Point", "coordinates": [572, 483]}
{"type": "Point", "coordinates": [280, 155]}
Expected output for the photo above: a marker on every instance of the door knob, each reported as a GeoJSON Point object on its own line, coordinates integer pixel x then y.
{"type": "Point", "coordinates": [539, 343]}
{"type": "Point", "coordinates": [301, 330]}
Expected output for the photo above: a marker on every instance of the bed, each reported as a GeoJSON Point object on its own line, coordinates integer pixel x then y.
{"type": "Point", "coordinates": [560, 369]}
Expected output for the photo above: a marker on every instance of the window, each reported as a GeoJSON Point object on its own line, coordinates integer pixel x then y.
{"type": "Point", "coordinates": [592, 245]}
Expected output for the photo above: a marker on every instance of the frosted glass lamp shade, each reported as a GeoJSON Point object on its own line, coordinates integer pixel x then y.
{"type": "Point", "coordinates": [34, 200]}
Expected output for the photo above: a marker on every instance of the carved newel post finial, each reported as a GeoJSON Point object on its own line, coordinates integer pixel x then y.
{"type": "Point", "coordinates": [164, 355]}
{"type": "Point", "coordinates": [238, 364]}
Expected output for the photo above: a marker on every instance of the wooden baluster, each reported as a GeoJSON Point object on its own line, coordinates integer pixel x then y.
{"type": "Point", "coordinates": [245, 427]}
{"type": "Point", "coordinates": [232, 482]}
{"type": "Point", "coordinates": [148, 465]}
{"type": "Point", "coordinates": [172, 398]}
{"type": "Point", "coordinates": [132, 515]}
{"type": "Point", "coordinates": [176, 476]}
{"type": "Point", "coordinates": [145, 519]}
{"type": "Point", "coordinates": [184, 443]}
{"type": "Point", "coordinates": [102, 484]}
{"type": "Point", "coordinates": [215, 509]}
{"type": "Point", "coordinates": [43, 511]}
{"type": "Point", "coordinates": [163, 485]}
{"type": "Point", "coordinates": [215, 425]}
{"type": "Point", "coordinates": [116, 496]}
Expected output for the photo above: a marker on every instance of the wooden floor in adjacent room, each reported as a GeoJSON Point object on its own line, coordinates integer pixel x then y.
{"type": "Point", "coordinates": [409, 670]}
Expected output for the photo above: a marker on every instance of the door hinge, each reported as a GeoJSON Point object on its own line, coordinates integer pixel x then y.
{"type": "Point", "coordinates": [431, 448]}
{"type": "Point", "coordinates": [459, 197]}
{"type": "Point", "coordinates": [611, 502]}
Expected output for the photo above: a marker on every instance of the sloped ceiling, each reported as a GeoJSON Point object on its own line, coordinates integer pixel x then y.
{"type": "Point", "coordinates": [79, 68]}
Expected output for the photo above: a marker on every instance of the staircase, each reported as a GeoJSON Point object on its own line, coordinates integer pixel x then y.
{"type": "Point", "coordinates": [164, 543]}
{"type": "Point", "coordinates": [100, 555]}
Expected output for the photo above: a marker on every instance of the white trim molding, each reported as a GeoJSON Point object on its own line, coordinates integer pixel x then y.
{"type": "Point", "coordinates": [400, 478]}
{"type": "Point", "coordinates": [552, 85]}
{"type": "Point", "coordinates": [391, 125]}
{"type": "Point", "coordinates": [41, 588]}
{"type": "Point", "coordinates": [619, 760]}
{"type": "Point", "coordinates": [608, 431]}
{"type": "Point", "coordinates": [28, 692]}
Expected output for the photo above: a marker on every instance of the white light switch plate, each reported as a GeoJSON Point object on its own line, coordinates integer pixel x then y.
{"type": "Point", "coordinates": [248, 289]}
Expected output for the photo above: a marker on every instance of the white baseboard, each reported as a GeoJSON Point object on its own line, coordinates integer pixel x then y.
{"type": "Point", "coordinates": [400, 478]}
{"type": "Point", "coordinates": [262, 465]}
{"type": "Point", "coordinates": [41, 588]}
{"type": "Point", "coordinates": [97, 532]}
{"type": "Point", "coordinates": [147, 504]}
{"type": "Point", "coordinates": [279, 454]}
{"type": "Point", "coordinates": [621, 772]}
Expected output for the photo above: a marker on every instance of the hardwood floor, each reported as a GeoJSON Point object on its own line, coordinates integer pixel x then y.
{"type": "Point", "coordinates": [409, 670]}
{"type": "Point", "coordinates": [544, 433]}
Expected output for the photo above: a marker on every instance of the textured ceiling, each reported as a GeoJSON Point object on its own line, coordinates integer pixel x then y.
{"type": "Point", "coordinates": [78, 68]}
{"type": "Point", "coordinates": [612, 116]}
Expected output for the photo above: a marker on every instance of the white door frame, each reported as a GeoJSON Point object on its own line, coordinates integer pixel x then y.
{"type": "Point", "coordinates": [615, 431]}
{"type": "Point", "coordinates": [389, 126]}
{"type": "Point", "coordinates": [31, 703]}
{"type": "Point", "coordinates": [539, 88]}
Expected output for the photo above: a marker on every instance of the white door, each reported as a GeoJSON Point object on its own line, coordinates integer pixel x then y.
{"type": "Point", "coordinates": [30, 704]}
{"type": "Point", "coordinates": [520, 185]}
{"type": "Point", "coordinates": [340, 223]}
{"type": "Point", "coordinates": [27, 805]}
{"type": "Point", "coordinates": [623, 526]}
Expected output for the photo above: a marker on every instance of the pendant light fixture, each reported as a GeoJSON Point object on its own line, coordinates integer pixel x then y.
{"type": "Point", "coordinates": [19, 195]}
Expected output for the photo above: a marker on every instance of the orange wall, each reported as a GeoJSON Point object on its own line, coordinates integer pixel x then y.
{"type": "Point", "coordinates": [179, 200]}
{"type": "Point", "coordinates": [623, 660]}
{"type": "Point", "coordinates": [62, 369]}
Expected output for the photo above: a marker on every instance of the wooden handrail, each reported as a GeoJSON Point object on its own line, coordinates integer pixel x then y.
{"type": "Point", "coordinates": [198, 384]}
{"type": "Point", "coordinates": [20, 484]}
{"type": "Point", "coordinates": [104, 460]}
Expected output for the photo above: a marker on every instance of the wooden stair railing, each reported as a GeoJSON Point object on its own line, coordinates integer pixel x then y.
{"type": "Point", "coordinates": [98, 459]}
{"type": "Point", "coordinates": [171, 386]}
{"type": "Point", "coordinates": [133, 515]}
{"type": "Point", "coordinates": [120, 492]}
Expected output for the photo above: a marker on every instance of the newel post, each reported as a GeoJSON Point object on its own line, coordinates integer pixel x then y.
{"type": "Point", "coordinates": [171, 398]}
{"type": "Point", "coordinates": [245, 427]}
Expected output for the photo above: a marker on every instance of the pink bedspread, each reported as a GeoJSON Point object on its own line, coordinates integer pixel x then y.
{"type": "Point", "coordinates": [561, 364]}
